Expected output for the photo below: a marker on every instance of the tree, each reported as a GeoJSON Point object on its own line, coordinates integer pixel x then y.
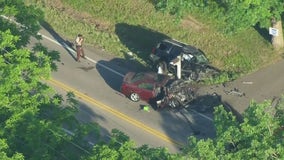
{"type": "Point", "coordinates": [3, 149]}
{"type": "Point", "coordinates": [235, 15]}
{"type": "Point", "coordinates": [121, 147]}
{"type": "Point", "coordinates": [258, 136]}
{"type": "Point", "coordinates": [31, 114]}
{"type": "Point", "coordinates": [24, 22]}
{"type": "Point", "coordinates": [28, 18]}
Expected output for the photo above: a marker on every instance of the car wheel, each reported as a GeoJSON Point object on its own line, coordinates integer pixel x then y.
{"type": "Point", "coordinates": [134, 97]}
{"type": "Point", "coordinates": [174, 103]}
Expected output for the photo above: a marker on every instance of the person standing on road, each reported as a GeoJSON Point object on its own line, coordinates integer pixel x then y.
{"type": "Point", "coordinates": [79, 47]}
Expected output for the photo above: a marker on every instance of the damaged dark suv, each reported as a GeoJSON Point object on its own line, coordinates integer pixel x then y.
{"type": "Point", "coordinates": [194, 64]}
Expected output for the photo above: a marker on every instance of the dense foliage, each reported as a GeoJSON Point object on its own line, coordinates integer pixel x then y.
{"type": "Point", "coordinates": [235, 15]}
{"type": "Point", "coordinates": [31, 114]}
{"type": "Point", "coordinates": [259, 135]}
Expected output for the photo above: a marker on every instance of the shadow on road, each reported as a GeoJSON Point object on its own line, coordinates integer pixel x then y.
{"type": "Point", "coordinates": [88, 116]}
{"type": "Point", "coordinates": [113, 71]}
{"type": "Point", "coordinates": [138, 39]}
{"type": "Point", "coordinates": [206, 103]}
{"type": "Point", "coordinates": [64, 43]}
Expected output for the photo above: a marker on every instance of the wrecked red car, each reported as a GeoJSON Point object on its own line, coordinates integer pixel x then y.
{"type": "Point", "coordinates": [158, 88]}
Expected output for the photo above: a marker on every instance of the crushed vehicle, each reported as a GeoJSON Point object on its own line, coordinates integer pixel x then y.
{"type": "Point", "coordinates": [160, 90]}
{"type": "Point", "coordinates": [193, 63]}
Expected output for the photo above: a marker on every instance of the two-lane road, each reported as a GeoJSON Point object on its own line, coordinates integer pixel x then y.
{"type": "Point", "coordinates": [96, 82]}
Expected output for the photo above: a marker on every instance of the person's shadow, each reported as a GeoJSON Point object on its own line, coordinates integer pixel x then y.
{"type": "Point", "coordinates": [66, 44]}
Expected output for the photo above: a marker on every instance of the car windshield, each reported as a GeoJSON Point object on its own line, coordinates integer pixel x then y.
{"type": "Point", "coordinates": [176, 51]}
{"type": "Point", "coordinates": [164, 46]}
{"type": "Point", "coordinates": [137, 77]}
{"type": "Point", "coordinates": [147, 86]}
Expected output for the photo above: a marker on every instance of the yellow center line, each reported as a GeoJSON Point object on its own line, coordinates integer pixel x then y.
{"type": "Point", "coordinates": [115, 112]}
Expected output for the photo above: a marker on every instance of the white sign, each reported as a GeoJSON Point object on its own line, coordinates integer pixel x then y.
{"type": "Point", "coordinates": [273, 31]}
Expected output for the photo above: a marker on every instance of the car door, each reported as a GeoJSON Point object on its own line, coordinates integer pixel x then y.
{"type": "Point", "coordinates": [145, 91]}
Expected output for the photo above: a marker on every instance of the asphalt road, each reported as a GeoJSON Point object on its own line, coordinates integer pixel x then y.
{"type": "Point", "coordinates": [264, 84]}
{"type": "Point", "coordinates": [96, 82]}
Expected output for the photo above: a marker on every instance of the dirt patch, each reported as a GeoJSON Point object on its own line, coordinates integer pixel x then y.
{"type": "Point", "coordinates": [100, 25]}
{"type": "Point", "coordinates": [190, 22]}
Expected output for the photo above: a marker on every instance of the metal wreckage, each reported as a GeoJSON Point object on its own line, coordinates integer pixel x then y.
{"type": "Point", "coordinates": [187, 64]}
{"type": "Point", "coordinates": [178, 68]}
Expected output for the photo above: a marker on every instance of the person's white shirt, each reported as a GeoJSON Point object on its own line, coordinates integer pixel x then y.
{"type": "Point", "coordinates": [79, 41]}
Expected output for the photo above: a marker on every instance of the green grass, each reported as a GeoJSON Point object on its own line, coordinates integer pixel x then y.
{"type": "Point", "coordinates": [120, 26]}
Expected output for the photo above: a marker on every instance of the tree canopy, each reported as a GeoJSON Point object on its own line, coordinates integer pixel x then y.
{"type": "Point", "coordinates": [258, 136]}
{"type": "Point", "coordinates": [32, 115]}
{"type": "Point", "coordinates": [28, 17]}
{"type": "Point", "coordinates": [235, 15]}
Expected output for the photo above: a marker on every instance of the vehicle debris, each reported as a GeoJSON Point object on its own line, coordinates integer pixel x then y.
{"type": "Point", "coordinates": [180, 93]}
{"type": "Point", "coordinates": [156, 89]}
{"type": "Point", "coordinates": [235, 92]}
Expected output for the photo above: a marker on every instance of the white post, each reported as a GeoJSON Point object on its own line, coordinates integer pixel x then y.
{"type": "Point", "coordinates": [177, 62]}
{"type": "Point", "coordinates": [179, 67]}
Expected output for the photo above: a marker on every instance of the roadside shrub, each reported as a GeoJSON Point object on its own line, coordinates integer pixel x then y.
{"type": "Point", "coordinates": [239, 63]}
{"type": "Point", "coordinates": [223, 77]}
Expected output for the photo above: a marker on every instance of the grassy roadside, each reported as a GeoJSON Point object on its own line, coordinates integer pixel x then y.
{"type": "Point", "coordinates": [126, 25]}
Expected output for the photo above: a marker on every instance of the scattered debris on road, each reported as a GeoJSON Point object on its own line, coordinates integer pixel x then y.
{"type": "Point", "coordinates": [235, 92]}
